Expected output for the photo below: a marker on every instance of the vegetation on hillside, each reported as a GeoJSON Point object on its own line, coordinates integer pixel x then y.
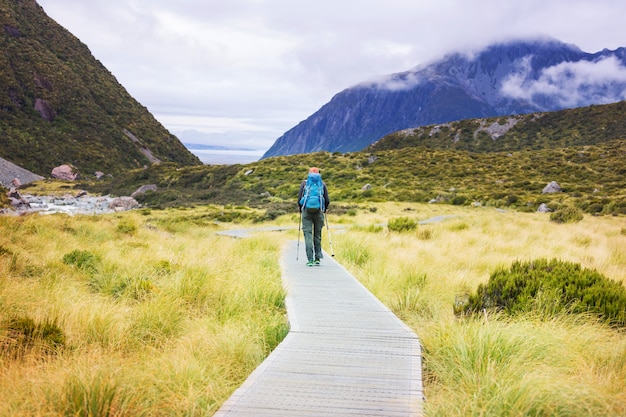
{"type": "Point", "coordinates": [500, 162]}
{"type": "Point", "coordinates": [576, 127]}
{"type": "Point", "coordinates": [59, 105]}
{"type": "Point", "coordinates": [593, 179]}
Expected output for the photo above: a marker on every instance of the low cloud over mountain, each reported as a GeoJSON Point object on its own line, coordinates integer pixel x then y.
{"type": "Point", "coordinates": [509, 78]}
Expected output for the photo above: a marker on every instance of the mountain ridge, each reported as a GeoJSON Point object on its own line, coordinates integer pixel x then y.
{"type": "Point", "coordinates": [502, 79]}
{"type": "Point", "coordinates": [60, 105]}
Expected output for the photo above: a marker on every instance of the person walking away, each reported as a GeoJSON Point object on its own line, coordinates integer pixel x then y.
{"type": "Point", "coordinates": [313, 202]}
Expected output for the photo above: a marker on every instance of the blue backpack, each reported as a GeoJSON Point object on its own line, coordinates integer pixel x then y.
{"type": "Point", "coordinates": [313, 196]}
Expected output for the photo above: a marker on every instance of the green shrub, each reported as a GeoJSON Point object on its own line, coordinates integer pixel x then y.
{"type": "Point", "coordinates": [566, 215]}
{"type": "Point", "coordinates": [92, 396]}
{"type": "Point", "coordinates": [275, 332]}
{"type": "Point", "coordinates": [272, 214]}
{"type": "Point", "coordinates": [401, 224]}
{"type": "Point", "coordinates": [512, 199]}
{"type": "Point", "coordinates": [118, 285]}
{"type": "Point", "coordinates": [127, 227]}
{"type": "Point", "coordinates": [163, 267]}
{"type": "Point", "coordinates": [457, 227]}
{"type": "Point", "coordinates": [24, 334]}
{"type": "Point", "coordinates": [550, 287]}
{"type": "Point", "coordinates": [424, 234]}
{"type": "Point", "coordinates": [5, 251]}
{"type": "Point", "coordinates": [81, 259]}
{"type": "Point", "coordinates": [459, 200]}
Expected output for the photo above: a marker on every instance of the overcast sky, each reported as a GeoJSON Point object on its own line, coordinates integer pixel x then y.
{"type": "Point", "coordinates": [240, 73]}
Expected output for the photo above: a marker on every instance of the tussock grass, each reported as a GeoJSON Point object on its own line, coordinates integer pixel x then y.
{"type": "Point", "coordinates": [168, 318]}
{"type": "Point", "coordinates": [531, 365]}
{"type": "Point", "coordinates": [158, 320]}
{"type": "Point", "coordinates": [524, 367]}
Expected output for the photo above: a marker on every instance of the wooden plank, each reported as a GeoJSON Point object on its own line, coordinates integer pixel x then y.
{"type": "Point", "coordinates": [346, 354]}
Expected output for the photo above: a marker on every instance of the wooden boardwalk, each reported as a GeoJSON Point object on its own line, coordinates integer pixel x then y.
{"type": "Point", "coordinates": [346, 354]}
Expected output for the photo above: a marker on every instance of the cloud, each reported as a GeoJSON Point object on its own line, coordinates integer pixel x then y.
{"type": "Point", "coordinates": [395, 82]}
{"type": "Point", "coordinates": [273, 63]}
{"type": "Point", "coordinates": [570, 84]}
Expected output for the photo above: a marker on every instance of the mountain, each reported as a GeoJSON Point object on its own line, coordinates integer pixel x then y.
{"type": "Point", "coordinates": [60, 105]}
{"type": "Point", "coordinates": [497, 162]}
{"type": "Point", "coordinates": [518, 77]}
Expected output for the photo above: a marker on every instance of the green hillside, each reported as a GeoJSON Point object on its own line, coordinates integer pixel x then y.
{"type": "Point", "coordinates": [583, 150]}
{"type": "Point", "coordinates": [593, 179]}
{"type": "Point", "coordinates": [573, 127]}
{"type": "Point", "coordinates": [59, 105]}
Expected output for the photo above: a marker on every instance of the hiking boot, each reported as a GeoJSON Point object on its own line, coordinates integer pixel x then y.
{"type": "Point", "coordinates": [310, 263]}
{"type": "Point", "coordinates": [317, 262]}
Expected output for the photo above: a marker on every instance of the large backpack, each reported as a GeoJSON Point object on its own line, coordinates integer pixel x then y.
{"type": "Point", "coordinates": [313, 196]}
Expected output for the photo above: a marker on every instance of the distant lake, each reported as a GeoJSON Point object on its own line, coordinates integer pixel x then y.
{"type": "Point", "coordinates": [226, 157]}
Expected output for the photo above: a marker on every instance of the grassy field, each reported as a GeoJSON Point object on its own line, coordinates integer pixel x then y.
{"type": "Point", "coordinates": [159, 315]}
{"type": "Point", "coordinates": [152, 313]}
{"type": "Point", "coordinates": [532, 365]}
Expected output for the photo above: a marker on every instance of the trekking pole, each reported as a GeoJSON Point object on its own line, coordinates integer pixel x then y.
{"type": "Point", "coordinates": [299, 223]}
{"type": "Point", "coordinates": [332, 252]}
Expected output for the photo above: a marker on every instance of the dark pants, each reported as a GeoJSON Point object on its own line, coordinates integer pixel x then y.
{"type": "Point", "coordinates": [312, 224]}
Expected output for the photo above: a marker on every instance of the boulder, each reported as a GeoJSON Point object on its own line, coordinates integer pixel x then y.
{"type": "Point", "coordinates": [65, 173]}
{"type": "Point", "coordinates": [17, 201]}
{"type": "Point", "coordinates": [123, 203]}
{"type": "Point", "coordinates": [143, 189]}
{"type": "Point", "coordinates": [551, 188]}
{"type": "Point", "coordinates": [13, 193]}
{"type": "Point", "coordinates": [543, 208]}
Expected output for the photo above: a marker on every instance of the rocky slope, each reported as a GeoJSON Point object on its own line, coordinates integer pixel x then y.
{"type": "Point", "coordinates": [12, 175]}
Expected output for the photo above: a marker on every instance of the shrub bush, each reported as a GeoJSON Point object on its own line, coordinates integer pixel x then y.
{"type": "Point", "coordinates": [566, 215]}
{"type": "Point", "coordinates": [512, 199]}
{"type": "Point", "coordinates": [126, 227]}
{"type": "Point", "coordinates": [401, 224]}
{"type": "Point", "coordinates": [459, 200]}
{"type": "Point", "coordinates": [5, 251]}
{"type": "Point", "coordinates": [550, 287]}
{"type": "Point", "coordinates": [81, 259]}
{"type": "Point", "coordinates": [424, 234]}
{"type": "Point", "coordinates": [24, 334]}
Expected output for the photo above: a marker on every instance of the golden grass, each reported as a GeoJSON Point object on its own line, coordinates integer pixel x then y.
{"type": "Point", "coordinates": [171, 317]}
{"type": "Point", "coordinates": [568, 366]}
{"type": "Point", "coordinates": [166, 323]}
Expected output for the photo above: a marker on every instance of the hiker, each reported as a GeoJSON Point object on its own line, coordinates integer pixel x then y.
{"type": "Point", "coordinates": [313, 202]}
